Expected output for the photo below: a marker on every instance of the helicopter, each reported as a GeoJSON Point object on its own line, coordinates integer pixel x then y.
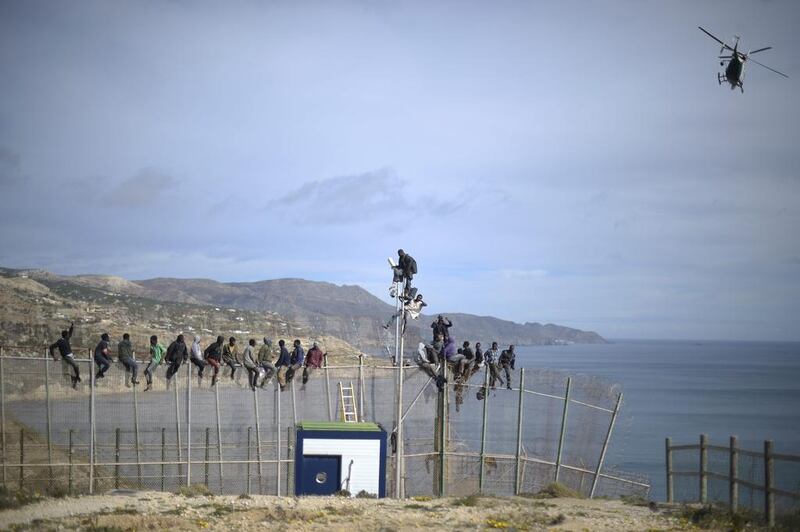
{"type": "Point", "coordinates": [734, 72]}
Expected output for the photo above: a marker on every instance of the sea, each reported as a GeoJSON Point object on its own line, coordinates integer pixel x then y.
{"type": "Point", "coordinates": [681, 389]}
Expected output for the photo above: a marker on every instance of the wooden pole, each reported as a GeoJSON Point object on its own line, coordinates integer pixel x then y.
{"type": "Point", "coordinates": [91, 424]}
{"type": "Point", "coordinates": [483, 428]}
{"type": "Point", "coordinates": [116, 458]}
{"type": "Point", "coordinates": [769, 495]}
{"type": "Point", "coordinates": [703, 468]}
{"type": "Point", "coordinates": [518, 463]}
{"type": "Point", "coordinates": [71, 469]}
{"type": "Point", "coordinates": [605, 446]}
{"type": "Point", "coordinates": [163, 454]}
{"type": "Point", "coordinates": [668, 450]}
{"type": "Point", "coordinates": [733, 473]}
{"type": "Point", "coordinates": [563, 429]}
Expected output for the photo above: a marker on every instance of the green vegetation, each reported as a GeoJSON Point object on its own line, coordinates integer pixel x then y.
{"type": "Point", "coordinates": [15, 499]}
{"type": "Point", "coordinates": [195, 490]}
{"type": "Point", "coordinates": [469, 500]}
{"type": "Point", "coordinates": [555, 491]}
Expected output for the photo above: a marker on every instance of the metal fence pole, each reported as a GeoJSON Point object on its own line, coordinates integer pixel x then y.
{"type": "Point", "coordinates": [249, 431]}
{"type": "Point", "coordinates": [483, 427]}
{"type": "Point", "coordinates": [361, 387]}
{"type": "Point", "coordinates": [258, 440]}
{"type": "Point", "coordinates": [327, 386]}
{"type": "Point", "coordinates": [769, 495]}
{"type": "Point", "coordinates": [47, 410]}
{"type": "Point", "coordinates": [91, 424]}
{"type": "Point", "coordinates": [703, 468]}
{"type": "Point", "coordinates": [21, 458]}
{"type": "Point", "coordinates": [205, 464]}
{"type": "Point", "coordinates": [178, 429]}
{"type": "Point", "coordinates": [116, 458]}
{"type": "Point", "coordinates": [733, 473]}
{"type": "Point", "coordinates": [219, 434]}
{"type": "Point", "coordinates": [3, 413]}
{"type": "Point", "coordinates": [188, 424]}
{"type": "Point", "coordinates": [398, 359]}
{"type": "Point", "coordinates": [519, 431]}
{"type": "Point", "coordinates": [668, 459]}
{"type": "Point", "coordinates": [294, 403]}
{"type": "Point", "coordinates": [71, 469]}
{"type": "Point", "coordinates": [563, 429]}
{"type": "Point", "coordinates": [163, 454]}
{"type": "Point", "coordinates": [443, 434]}
{"type": "Point", "coordinates": [605, 446]}
{"type": "Point", "coordinates": [136, 436]}
{"type": "Point", "coordinates": [278, 439]}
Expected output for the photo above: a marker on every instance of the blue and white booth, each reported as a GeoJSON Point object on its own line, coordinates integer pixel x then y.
{"type": "Point", "coordinates": [330, 456]}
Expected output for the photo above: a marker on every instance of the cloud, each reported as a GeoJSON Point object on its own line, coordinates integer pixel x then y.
{"type": "Point", "coordinates": [143, 188]}
{"type": "Point", "coordinates": [9, 165]}
{"type": "Point", "coordinates": [524, 274]}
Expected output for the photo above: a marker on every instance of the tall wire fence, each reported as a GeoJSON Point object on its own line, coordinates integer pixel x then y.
{"type": "Point", "coordinates": [113, 435]}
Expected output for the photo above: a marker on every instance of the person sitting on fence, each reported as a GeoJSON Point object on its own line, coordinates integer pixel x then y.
{"type": "Point", "coordinates": [65, 350]}
{"type": "Point", "coordinates": [506, 362]}
{"type": "Point", "coordinates": [297, 357]}
{"type": "Point", "coordinates": [250, 363]}
{"type": "Point", "coordinates": [125, 356]}
{"type": "Point", "coordinates": [284, 364]}
{"type": "Point", "coordinates": [412, 310]}
{"type": "Point", "coordinates": [490, 357]}
{"type": "Point", "coordinates": [177, 354]}
{"type": "Point", "coordinates": [453, 357]}
{"type": "Point", "coordinates": [196, 356]}
{"type": "Point", "coordinates": [102, 356]}
{"type": "Point", "coordinates": [156, 355]}
{"type": "Point", "coordinates": [469, 359]}
{"type": "Point", "coordinates": [230, 355]}
{"type": "Point", "coordinates": [266, 359]}
{"type": "Point", "coordinates": [426, 359]}
{"type": "Point", "coordinates": [441, 326]}
{"type": "Point", "coordinates": [478, 362]}
{"type": "Point", "coordinates": [213, 354]}
{"type": "Point", "coordinates": [314, 359]}
{"type": "Point", "coordinates": [404, 272]}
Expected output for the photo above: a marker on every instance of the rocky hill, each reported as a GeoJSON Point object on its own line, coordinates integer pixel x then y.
{"type": "Point", "coordinates": [348, 312]}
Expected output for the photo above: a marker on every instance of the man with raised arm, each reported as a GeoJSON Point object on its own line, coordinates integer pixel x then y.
{"type": "Point", "coordinates": [65, 350]}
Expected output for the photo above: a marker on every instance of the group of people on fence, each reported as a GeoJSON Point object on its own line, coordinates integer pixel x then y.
{"type": "Point", "coordinates": [261, 365]}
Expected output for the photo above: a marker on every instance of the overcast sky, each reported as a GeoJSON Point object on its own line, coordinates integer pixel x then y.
{"type": "Point", "coordinates": [570, 162]}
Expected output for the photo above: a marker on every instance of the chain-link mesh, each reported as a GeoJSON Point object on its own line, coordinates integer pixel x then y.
{"type": "Point", "coordinates": [236, 440]}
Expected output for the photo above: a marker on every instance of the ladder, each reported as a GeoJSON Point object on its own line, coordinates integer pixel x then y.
{"type": "Point", "coordinates": [347, 398]}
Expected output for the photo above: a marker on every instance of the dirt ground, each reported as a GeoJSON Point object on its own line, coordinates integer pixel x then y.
{"type": "Point", "coordinates": [149, 510]}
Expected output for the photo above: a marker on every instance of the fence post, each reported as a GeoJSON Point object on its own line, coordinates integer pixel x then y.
{"type": "Point", "coordinates": [188, 424]}
{"type": "Point", "coordinates": [219, 434]}
{"type": "Point", "coordinates": [294, 402]}
{"type": "Point", "coordinates": [668, 449]}
{"type": "Point", "coordinates": [178, 429]}
{"type": "Point", "coordinates": [361, 387]}
{"type": "Point", "coordinates": [563, 429]}
{"type": "Point", "coordinates": [47, 410]}
{"type": "Point", "coordinates": [278, 439]}
{"type": "Point", "coordinates": [3, 413]}
{"type": "Point", "coordinates": [399, 450]}
{"type": "Point", "coordinates": [483, 427]}
{"type": "Point", "coordinates": [605, 445]}
{"type": "Point", "coordinates": [769, 495]}
{"type": "Point", "coordinates": [163, 454]}
{"type": "Point", "coordinates": [703, 468]}
{"type": "Point", "coordinates": [208, 431]}
{"type": "Point", "coordinates": [116, 458]}
{"type": "Point", "coordinates": [258, 440]}
{"type": "Point", "coordinates": [71, 471]}
{"type": "Point", "coordinates": [21, 458]}
{"type": "Point", "coordinates": [136, 436]}
{"type": "Point", "coordinates": [519, 431]}
{"type": "Point", "coordinates": [249, 430]}
{"type": "Point", "coordinates": [91, 424]}
{"type": "Point", "coordinates": [443, 434]}
{"type": "Point", "coordinates": [327, 386]}
{"type": "Point", "coordinates": [733, 473]}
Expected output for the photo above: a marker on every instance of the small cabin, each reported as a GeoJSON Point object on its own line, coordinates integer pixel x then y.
{"type": "Point", "coordinates": [333, 456]}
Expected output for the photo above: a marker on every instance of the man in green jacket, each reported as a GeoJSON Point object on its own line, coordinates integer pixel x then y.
{"type": "Point", "coordinates": [156, 355]}
{"type": "Point", "coordinates": [266, 359]}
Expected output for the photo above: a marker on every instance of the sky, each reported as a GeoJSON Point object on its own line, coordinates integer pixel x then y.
{"type": "Point", "coordinates": [559, 162]}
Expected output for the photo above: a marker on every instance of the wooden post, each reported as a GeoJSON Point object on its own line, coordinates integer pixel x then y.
{"type": "Point", "coordinates": [116, 458]}
{"type": "Point", "coordinates": [518, 463]}
{"type": "Point", "coordinates": [205, 478]}
{"type": "Point", "coordinates": [703, 468]}
{"type": "Point", "coordinates": [71, 469]}
{"type": "Point", "coordinates": [327, 386]}
{"type": "Point", "coordinates": [47, 410]}
{"type": "Point", "coordinates": [91, 423]}
{"type": "Point", "coordinates": [21, 458]}
{"type": "Point", "coordinates": [605, 445]}
{"type": "Point", "coordinates": [769, 495]}
{"type": "Point", "coordinates": [563, 429]}
{"type": "Point", "coordinates": [3, 413]}
{"type": "Point", "coordinates": [668, 448]}
{"type": "Point", "coordinates": [163, 454]}
{"type": "Point", "coordinates": [483, 428]}
{"type": "Point", "coordinates": [733, 473]}
{"type": "Point", "coordinates": [249, 430]}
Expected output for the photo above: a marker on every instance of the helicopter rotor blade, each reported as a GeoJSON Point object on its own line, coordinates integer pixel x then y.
{"type": "Point", "coordinates": [759, 50]}
{"type": "Point", "coordinates": [724, 46]}
{"type": "Point", "coordinates": [769, 68]}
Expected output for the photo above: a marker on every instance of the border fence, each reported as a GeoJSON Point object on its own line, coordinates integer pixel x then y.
{"type": "Point", "coordinates": [733, 475]}
{"type": "Point", "coordinates": [111, 435]}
